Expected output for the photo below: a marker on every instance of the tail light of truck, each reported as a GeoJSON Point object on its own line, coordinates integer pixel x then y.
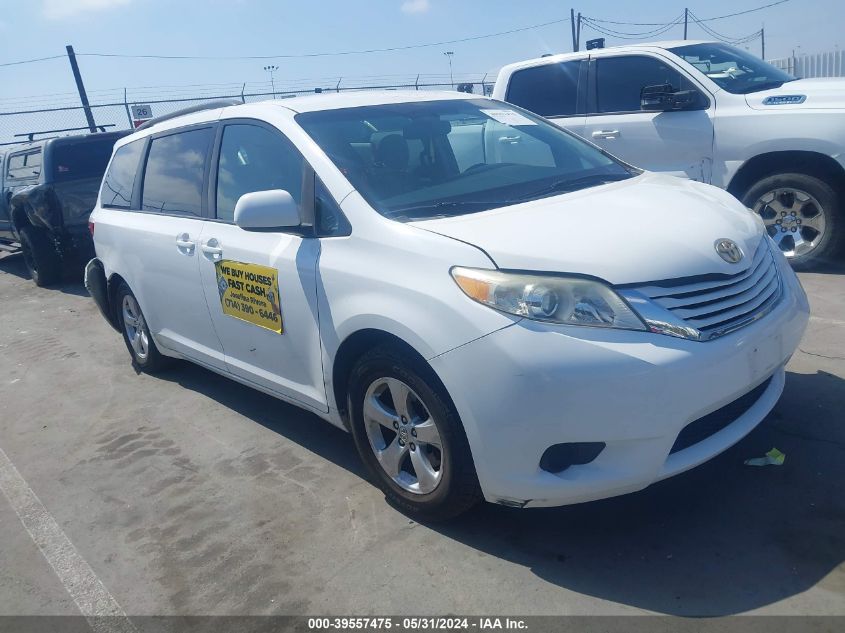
{"type": "Point", "coordinates": [91, 228]}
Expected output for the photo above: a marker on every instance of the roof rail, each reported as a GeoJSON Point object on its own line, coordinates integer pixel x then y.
{"type": "Point", "coordinates": [210, 105]}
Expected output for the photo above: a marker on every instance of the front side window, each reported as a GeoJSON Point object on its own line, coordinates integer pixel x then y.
{"type": "Point", "coordinates": [547, 90]}
{"type": "Point", "coordinates": [620, 80]}
{"type": "Point", "coordinates": [173, 178]}
{"type": "Point", "coordinates": [116, 191]}
{"type": "Point", "coordinates": [449, 157]}
{"type": "Point", "coordinates": [253, 158]}
{"type": "Point", "coordinates": [24, 166]}
{"type": "Point", "coordinates": [735, 70]}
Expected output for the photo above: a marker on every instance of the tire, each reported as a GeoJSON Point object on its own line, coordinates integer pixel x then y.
{"type": "Point", "coordinates": [446, 482]}
{"type": "Point", "coordinates": [40, 256]}
{"type": "Point", "coordinates": [797, 205]}
{"type": "Point", "coordinates": [136, 333]}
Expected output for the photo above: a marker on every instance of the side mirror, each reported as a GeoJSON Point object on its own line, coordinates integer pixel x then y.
{"type": "Point", "coordinates": [663, 98]}
{"type": "Point", "coordinates": [267, 210]}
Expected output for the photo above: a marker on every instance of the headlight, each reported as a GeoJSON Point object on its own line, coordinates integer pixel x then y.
{"type": "Point", "coordinates": [567, 300]}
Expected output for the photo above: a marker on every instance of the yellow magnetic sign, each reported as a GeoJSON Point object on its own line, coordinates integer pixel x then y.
{"type": "Point", "coordinates": [251, 293]}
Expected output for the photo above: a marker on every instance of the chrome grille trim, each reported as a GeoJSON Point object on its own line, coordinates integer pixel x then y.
{"type": "Point", "coordinates": [716, 307]}
{"type": "Point", "coordinates": [678, 287]}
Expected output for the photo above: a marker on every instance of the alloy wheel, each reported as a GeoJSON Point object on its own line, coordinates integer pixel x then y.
{"type": "Point", "coordinates": [136, 327]}
{"type": "Point", "coordinates": [794, 219]}
{"type": "Point", "coordinates": [403, 435]}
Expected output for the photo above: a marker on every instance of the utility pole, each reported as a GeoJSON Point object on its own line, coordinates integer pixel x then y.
{"type": "Point", "coordinates": [449, 55]}
{"type": "Point", "coordinates": [572, 24]}
{"type": "Point", "coordinates": [578, 33]}
{"type": "Point", "coordinates": [89, 116]}
{"type": "Point", "coordinates": [686, 21]}
{"type": "Point", "coordinates": [763, 43]}
{"type": "Point", "coordinates": [271, 70]}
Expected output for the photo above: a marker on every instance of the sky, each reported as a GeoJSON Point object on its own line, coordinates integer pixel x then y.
{"type": "Point", "coordinates": [236, 28]}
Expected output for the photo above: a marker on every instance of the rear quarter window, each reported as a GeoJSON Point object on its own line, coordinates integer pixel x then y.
{"type": "Point", "coordinates": [547, 90]}
{"type": "Point", "coordinates": [24, 166]}
{"type": "Point", "coordinates": [119, 181]}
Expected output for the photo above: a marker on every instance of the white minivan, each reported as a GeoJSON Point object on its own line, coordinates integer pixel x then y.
{"type": "Point", "coordinates": [492, 306]}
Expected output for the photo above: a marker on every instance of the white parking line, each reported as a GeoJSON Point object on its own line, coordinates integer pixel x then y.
{"type": "Point", "coordinates": [827, 321]}
{"type": "Point", "coordinates": [88, 592]}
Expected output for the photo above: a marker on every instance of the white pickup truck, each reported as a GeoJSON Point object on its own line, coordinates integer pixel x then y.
{"type": "Point", "coordinates": [709, 112]}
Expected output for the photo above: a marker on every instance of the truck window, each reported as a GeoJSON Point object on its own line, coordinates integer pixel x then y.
{"type": "Point", "coordinates": [173, 178]}
{"type": "Point", "coordinates": [548, 90]}
{"type": "Point", "coordinates": [78, 160]}
{"type": "Point", "coordinates": [116, 192]}
{"type": "Point", "coordinates": [24, 166]}
{"type": "Point", "coordinates": [619, 81]}
{"type": "Point", "coordinates": [253, 158]}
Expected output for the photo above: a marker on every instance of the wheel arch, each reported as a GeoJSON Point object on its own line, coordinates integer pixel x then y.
{"type": "Point", "coordinates": [112, 285]}
{"type": "Point", "coordinates": [357, 344]}
{"type": "Point", "coordinates": [805, 162]}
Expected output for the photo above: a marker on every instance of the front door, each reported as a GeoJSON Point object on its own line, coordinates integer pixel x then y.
{"type": "Point", "coordinates": [679, 143]}
{"type": "Point", "coordinates": [22, 170]}
{"type": "Point", "coordinates": [261, 287]}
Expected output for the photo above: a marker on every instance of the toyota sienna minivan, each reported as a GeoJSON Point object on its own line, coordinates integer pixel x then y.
{"type": "Point", "coordinates": [492, 306]}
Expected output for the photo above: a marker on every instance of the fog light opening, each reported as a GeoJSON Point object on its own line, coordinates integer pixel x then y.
{"type": "Point", "coordinates": [559, 457]}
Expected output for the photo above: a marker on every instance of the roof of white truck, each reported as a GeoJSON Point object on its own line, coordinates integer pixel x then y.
{"type": "Point", "coordinates": [550, 59]}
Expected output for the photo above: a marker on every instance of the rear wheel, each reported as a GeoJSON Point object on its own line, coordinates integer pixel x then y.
{"type": "Point", "coordinates": [136, 333]}
{"type": "Point", "coordinates": [410, 436]}
{"type": "Point", "coordinates": [40, 256]}
{"type": "Point", "coordinates": [803, 215]}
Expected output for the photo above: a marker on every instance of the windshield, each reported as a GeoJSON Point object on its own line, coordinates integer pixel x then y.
{"type": "Point", "coordinates": [736, 71]}
{"type": "Point", "coordinates": [77, 160]}
{"type": "Point", "coordinates": [429, 159]}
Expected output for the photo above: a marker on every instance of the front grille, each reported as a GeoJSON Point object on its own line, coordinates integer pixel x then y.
{"type": "Point", "coordinates": [712, 423]}
{"type": "Point", "coordinates": [717, 304]}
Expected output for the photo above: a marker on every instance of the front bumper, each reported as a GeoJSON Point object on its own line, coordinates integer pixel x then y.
{"type": "Point", "coordinates": [524, 388]}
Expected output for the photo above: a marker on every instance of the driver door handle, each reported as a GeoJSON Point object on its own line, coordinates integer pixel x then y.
{"type": "Point", "coordinates": [606, 134]}
{"type": "Point", "coordinates": [212, 249]}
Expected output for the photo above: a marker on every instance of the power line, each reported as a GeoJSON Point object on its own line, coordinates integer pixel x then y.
{"type": "Point", "coordinates": [718, 17]}
{"type": "Point", "coordinates": [32, 61]}
{"type": "Point", "coordinates": [721, 36]}
{"type": "Point", "coordinates": [329, 54]}
{"type": "Point", "coordinates": [625, 35]}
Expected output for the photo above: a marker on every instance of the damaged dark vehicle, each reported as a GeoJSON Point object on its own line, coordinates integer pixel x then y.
{"type": "Point", "coordinates": [49, 189]}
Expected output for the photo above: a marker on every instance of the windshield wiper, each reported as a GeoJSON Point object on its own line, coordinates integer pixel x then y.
{"type": "Point", "coordinates": [437, 208]}
{"type": "Point", "coordinates": [766, 85]}
{"type": "Point", "coordinates": [574, 184]}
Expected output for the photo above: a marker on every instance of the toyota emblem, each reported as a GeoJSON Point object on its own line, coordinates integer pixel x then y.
{"type": "Point", "coordinates": [729, 250]}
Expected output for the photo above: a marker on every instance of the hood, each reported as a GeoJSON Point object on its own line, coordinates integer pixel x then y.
{"type": "Point", "coordinates": [805, 94]}
{"type": "Point", "coordinates": [648, 228]}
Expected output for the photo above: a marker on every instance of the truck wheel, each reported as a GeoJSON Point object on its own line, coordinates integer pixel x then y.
{"type": "Point", "coordinates": [136, 333]}
{"type": "Point", "coordinates": [803, 215]}
{"type": "Point", "coordinates": [409, 435]}
{"type": "Point", "coordinates": [40, 256]}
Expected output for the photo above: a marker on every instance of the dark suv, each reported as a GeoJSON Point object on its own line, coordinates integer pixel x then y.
{"type": "Point", "coordinates": [49, 188]}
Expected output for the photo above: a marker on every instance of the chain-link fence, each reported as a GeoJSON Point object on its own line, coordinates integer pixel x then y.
{"type": "Point", "coordinates": [23, 124]}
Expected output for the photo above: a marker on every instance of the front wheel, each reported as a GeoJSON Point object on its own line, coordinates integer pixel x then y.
{"type": "Point", "coordinates": [409, 435]}
{"type": "Point", "coordinates": [802, 214]}
{"type": "Point", "coordinates": [136, 333]}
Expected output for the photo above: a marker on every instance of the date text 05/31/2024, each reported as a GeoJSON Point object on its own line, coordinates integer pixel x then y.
{"type": "Point", "coordinates": [417, 623]}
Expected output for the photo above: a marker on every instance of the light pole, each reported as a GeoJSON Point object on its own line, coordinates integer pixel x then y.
{"type": "Point", "coordinates": [448, 55]}
{"type": "Point", "coordinates": [271, 70]}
